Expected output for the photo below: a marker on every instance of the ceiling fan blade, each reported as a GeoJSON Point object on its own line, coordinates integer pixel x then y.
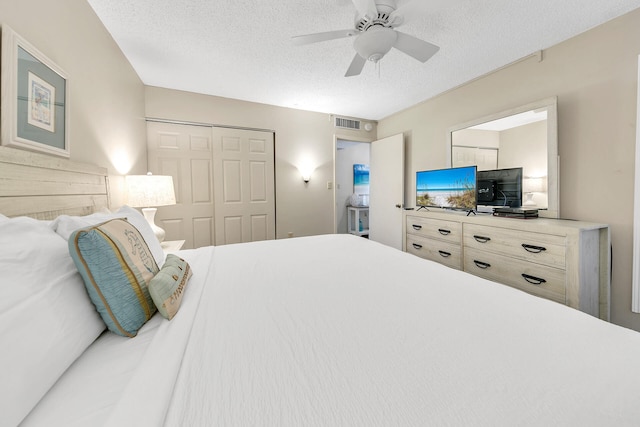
{"type": "Point", "coordinates": [414, 47]}
{"type": "Point", "coordinates": [356, 66]}
{"type": "Point", "coordinates": [366, 8]}
{"type": "Point", "coordinates": [321, 37]}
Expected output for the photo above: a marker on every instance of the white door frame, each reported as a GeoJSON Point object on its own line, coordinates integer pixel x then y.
{"type": "Point", "coordinates": [336, 137]}
{"type": "Point", "coordinates": [635, 293]}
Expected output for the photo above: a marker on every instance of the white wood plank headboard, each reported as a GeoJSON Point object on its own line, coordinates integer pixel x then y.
{"type": "Point", "coordinates": [43, 186]}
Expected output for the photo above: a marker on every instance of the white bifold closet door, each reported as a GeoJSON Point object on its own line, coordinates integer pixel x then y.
{"type": "Point", "coordinates": [243, 181]}
{"type": "Point", "coordinates": [224, 182]}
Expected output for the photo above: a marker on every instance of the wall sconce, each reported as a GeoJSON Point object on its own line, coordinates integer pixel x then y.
{"type": "Point", "coordinates": [305, 167]}
{"type": "Point", "coordinates": [532, 185]}
{"type": "Point", "coordinates": [147, 192]}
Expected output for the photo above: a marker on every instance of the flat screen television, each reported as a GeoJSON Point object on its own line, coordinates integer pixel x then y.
{"type": "Point", "coordinates": [499, 187]}
{"type": "Point", "coordinates": [453, 188]}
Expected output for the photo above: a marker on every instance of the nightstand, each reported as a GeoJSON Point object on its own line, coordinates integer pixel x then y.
{"type": "Point", "coordinates": [171, 246]}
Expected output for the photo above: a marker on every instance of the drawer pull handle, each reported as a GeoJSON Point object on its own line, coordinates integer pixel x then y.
{"type": "Point", "coordinates": [533, 249]}
{"type": "Point", "coordinates": [482, 265]}
{"type": "Point", "coordinates": [417, 227]}
{"type": "Point", "coordinates": [481, 239]}
{"type": "Point", "coordinates": [444, 232]}
{"type": "Point", "coordinates": [444, 254]}
{"type": "Point", "coordinates": [533, 279]}
{"type": "Point", "coordinates": [417, 246]}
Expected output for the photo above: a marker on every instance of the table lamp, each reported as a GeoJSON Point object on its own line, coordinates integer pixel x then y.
{"type": "Point", "coordinates": [532, 185]}
{"type": "Point", "coordinates": [147, 192]}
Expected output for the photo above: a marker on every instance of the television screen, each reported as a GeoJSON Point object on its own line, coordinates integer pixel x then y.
{"type": "Point", "coordinates": [453, 188]}
{"type": "Point", "coordinates": [500, 187]}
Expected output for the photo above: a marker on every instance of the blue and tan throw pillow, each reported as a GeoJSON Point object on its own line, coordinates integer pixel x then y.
{"type": "Point", "coordinates": [116, 265]}
{"type": "Point", "coordinates": [168, 286]}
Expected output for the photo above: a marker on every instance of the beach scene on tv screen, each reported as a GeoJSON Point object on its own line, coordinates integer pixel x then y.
{"type": "Point", "coordinates": [448, 188]}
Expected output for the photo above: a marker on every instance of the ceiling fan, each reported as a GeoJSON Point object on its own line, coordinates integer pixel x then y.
{"type": "Point", "coordinates": [375, 35]}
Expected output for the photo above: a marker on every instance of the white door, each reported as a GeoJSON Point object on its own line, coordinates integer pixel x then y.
{"type": "Point", "coordinates": [386, 199]}
{"type": "Point", "coordinates": [244, 185]}
{"type": "Point", "coordinates": [184, 152]}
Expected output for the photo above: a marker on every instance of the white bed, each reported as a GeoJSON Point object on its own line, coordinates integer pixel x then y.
{"type": "Point", "coordinates": [339, 331]}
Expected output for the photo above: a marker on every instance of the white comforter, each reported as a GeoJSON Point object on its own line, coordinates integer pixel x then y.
{"type": "Point", "coordinates": [340, 331]}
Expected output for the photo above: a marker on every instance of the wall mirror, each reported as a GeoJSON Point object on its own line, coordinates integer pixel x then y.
{"type": "Point", "coordinates": [527, 137]}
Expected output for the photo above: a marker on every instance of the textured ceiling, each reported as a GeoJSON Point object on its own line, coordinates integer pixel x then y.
{"type": "Point", "coordinates": [242, 48]}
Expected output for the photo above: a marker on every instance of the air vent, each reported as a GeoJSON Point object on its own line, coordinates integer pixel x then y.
{"type": "Point", "coordinates": [347, 123]}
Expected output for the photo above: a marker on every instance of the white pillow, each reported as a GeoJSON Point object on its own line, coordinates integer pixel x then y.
{"type": "Point", "coordinates": [46, 317]}
{"type": "Point", "coordinates": [64, 225]}
{"type": "Point", "coordinates": [3, 218]}
{"type": "Point", "coordinates": [140, 222]}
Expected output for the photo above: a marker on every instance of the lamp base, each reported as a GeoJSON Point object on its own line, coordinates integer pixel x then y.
{"type": "Point", "coordinates": [150, 216]}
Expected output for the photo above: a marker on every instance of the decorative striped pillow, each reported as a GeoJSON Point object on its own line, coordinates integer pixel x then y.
{"type": "Point", "coordinates": [168, 286]}
{"type": "Point", "coordinates": [116, 265]}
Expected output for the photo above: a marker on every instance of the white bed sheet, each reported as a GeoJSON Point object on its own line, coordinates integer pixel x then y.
{"type": "Point", "coordinates": [339, 331]}
{"type": "Point", "coordinates": [118, 379]}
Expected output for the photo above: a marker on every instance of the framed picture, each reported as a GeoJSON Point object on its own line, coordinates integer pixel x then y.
{"type": "Point", "coordinates": [35, 98]}
{"type": "Point", "coordinates": [361, 179]}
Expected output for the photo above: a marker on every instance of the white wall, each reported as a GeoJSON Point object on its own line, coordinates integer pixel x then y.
{"type": "Point", "coordinates": [594, 77]}
{"type": "Point", "coordinates": [106, 100]}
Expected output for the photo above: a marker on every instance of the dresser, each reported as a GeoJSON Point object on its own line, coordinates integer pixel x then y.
{"type": "Point", "coordinates": [561, 260]}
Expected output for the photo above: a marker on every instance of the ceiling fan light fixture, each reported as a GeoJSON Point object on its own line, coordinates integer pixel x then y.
{"type": "Point", "coordinates": [374, 44]}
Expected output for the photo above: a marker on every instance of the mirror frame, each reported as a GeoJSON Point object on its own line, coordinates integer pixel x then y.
{"type": "Point", "coordinates": [553, 159]}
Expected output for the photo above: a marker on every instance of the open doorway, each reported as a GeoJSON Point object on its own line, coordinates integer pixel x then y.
{"type": "Point", "coordinates": [348, 153]}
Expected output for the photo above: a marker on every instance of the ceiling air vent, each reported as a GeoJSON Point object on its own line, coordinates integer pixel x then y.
{"type": "Point", "coordinates": [347, 123]}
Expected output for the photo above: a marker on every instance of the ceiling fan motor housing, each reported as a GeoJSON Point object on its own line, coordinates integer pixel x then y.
{"type": "Point", "coordinates": [384, 17]}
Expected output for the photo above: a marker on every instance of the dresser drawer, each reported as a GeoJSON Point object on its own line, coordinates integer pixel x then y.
{"type": "Point", "coordinates": [540, 280]}
{"type": "Point", "coordinates": [540, 248]}
{"type": "Point", "coordinates": [446, 253]}
{"type": "Point", "coordinates": [449, 231]}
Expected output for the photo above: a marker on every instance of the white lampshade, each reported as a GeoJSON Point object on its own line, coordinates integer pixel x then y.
{"type": "Point", "coordinates": [147, 192]}
{"type": "Point", "coordinates": [533, 184]}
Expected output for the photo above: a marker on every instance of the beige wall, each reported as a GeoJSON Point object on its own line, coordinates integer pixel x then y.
{"type": "Point", "coordinates": [300, 137]}
{"type": "Point", "coordinates": [526, 147]}
{"type": "Point", "coordinates": [594, 77]}
{"type": "Point", "coordinates": [106, 105]}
